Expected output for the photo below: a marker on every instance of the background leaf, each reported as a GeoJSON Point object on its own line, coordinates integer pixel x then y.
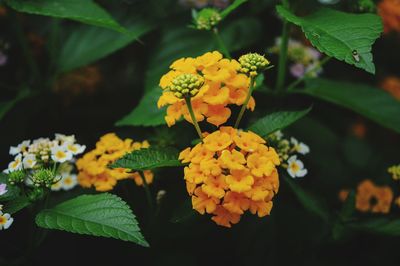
{"type": "Point", "coordinates": [85, 11]}
{"type": "Point", "coordinates": [383, 226]}
{"type": "Point", "coordinates": [87, 44]}
{"type": "Point", "coordinates": [12, 193]}
{"type": "Point", "coordinates": [150, 158]}
{"type": "Point", "coordinates": [8, 105]}
{"type": "Point", "coordinates": [99, 215]}
{"type": "Point", "coordinates": [339, 34]}
{"type": "Point", "coordinates": [277, 121]}
{"type": "Point", "coordinates": [370, 102]}
{"type": "Point", "coordinates": [232, 7]}
{"type": "Point", "coordinates": [16, 204]}
{"type": "Point", "coordinates": [310, 202]}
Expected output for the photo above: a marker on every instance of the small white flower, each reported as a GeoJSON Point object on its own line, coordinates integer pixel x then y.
{"type": "Point", "coordinates": [29, 161]}
{"type": "Point", "coordinates": [299, 147]}
{"type": "Point", "coordinates": [1, 207]}
{"type": "Point", "coordinates": [278, 134]}
{"type": "Point", "coordinates": [65, 139]}
{"type": "Point", "coordinates": [57, 186]}
{"type": "Point", "coordinates": [60, 155]}
{"type": "Point", "coordinates": [75, 148]}
{"type": "Point", "coordinates": [5, 220]}
{"type": "Point", "coordinates": [296, 167]}
{"type": "Point", "coordinates": [69, 181]}
{"type": "Point", "coordinates": [21, 148]}
{"type": "Point", "coordinates": [16, 164]}
{"type": "Point", "coordinates": [3, 190]}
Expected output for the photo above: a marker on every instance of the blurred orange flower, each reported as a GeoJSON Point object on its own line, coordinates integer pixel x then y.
{"type": "Point", "coordinates": [372, 198]}
{"type": "Point", "coordinates": [391, 84]}
{"type": "Point", "coordinates": [389, 10]}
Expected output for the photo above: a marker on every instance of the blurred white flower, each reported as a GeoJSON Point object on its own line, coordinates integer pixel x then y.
{"type": "Point", "coordinates": [60, 155]}
{"type": "Point", "coordinates": [16, 164]}
{"type": "Point", "coordinates": [5, 220]}
{"type": "Point", "coordinates": [21, 148]}
{"type": "Point", "coordinates": [29, 161]}
{"type": "Point", "coordinates": [299, 147]}
{"type": "Point", "coordinates": [69, 181]}
{"type": "Point", "coordinates": [296, 167]}
{"type": "Point", "coordinates": [75, 149]}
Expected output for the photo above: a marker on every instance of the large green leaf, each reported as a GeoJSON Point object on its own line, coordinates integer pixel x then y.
{"type": "Point", "coordinates": [99, 215]}
{"type": "Point", "coordinates": [277, 121]}
{"type": "Point", "coordinates": [145, 159]}
{"type": "Point", "coordinates": [382, 226]}
{"type": "Point", "coordinates": [309, 201]}
{"type": "Point", "coordinates": [368, 101]}
{"type": "Point", "coordinates": [347, 37]}
{"type": "Point", "coordinates": [8, 105]}
{"type": "Point", "coordinates": [147, 112]}
{"type": "Point", "coordinates": [85, 11]}
{"type": "Point", "coordinates": [88, 44]}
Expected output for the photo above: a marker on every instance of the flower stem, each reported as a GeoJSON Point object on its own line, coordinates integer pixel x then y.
{"type": "Point", "coordinates": [190, 108]}
{"type": "Point", "coordinates": [147, 191]}
{"type": "Point", "coordinates": [244, 106]}
{"type": "Point", "coordinates": [221, 43]}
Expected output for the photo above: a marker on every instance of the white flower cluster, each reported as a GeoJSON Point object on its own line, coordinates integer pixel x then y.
{"type": "Point", "coordinates": [306, 60]}
{"type": "Point", "coordinates": [288, 151]}
{"type": "Point", "coordinates": [46, 153]}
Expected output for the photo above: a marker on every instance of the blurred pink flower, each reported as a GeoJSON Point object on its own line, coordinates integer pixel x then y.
{"type": "Point", "coordinates": [3, 189]}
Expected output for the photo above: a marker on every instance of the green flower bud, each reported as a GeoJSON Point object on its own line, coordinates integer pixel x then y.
{"type": "Point", "coordinates": [186, 85]}
{"type": "Point", "coordinates": [36, 194]}
{"type": "Point", "coordinates": [16, 177]}
{"type": "Point", "coordinates": [43, 178]}
{"type": "Point", "coordinates": [251, 64]}
{"type": "Point", "coordinates": [207, 18]}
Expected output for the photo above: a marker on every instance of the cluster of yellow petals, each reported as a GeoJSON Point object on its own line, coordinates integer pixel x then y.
{"type": "Point", "coordinates": [370, 197]}
{"type": "Point", "coordinates": [93, 166]}
{"type": "Point", "coordinates": [389, 10]}
{"type": "Point", "coordinates": [230, 172]}
{"type": "Point", "coordinates": [223, 85]}
{"type": "Point", "coordinates": [391, 84]}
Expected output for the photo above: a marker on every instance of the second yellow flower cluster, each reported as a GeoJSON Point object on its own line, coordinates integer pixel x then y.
{"type": "Point", "coordinates": [231, 172]}
{"type": "Point", "coordinates": [93, 166]}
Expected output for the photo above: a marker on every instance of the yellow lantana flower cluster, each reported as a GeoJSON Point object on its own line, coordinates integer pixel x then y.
{"type": "Point", "coordinates": [93, 166]}
{"type": "Point", "coordinates": [394, 171]}
{"type": "Point", "coordinates": [230, 172]}
{"type": "Point", "coordinates": [221, 85]}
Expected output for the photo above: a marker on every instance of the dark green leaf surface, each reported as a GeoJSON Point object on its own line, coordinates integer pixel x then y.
{"type": "Point", "coordinates": [277, 121]}
{"type": "Point", "coordinates": [16, 205]}
{"type": "Point", "coordinates": [310, 202]}
{"type": "Point", "coordinates": [370, 102]}
{"type": "Point", "coordinates": [382, 226]}
{"type": "Point", "coordinates": [347, 37]}
{"type": "Point", "coordinates": [85, 11]}
{"type": "Point", "coordinates": [12, 193]}
{"type": "Point", "coordinates": [89, 44]}
{"type": "Point", "coordinates": [145, 159]}
{"type": "Point", "coordinates": [8, 105]}
{"type": "Point", "coordinates": [99, 215]}
{"type": "Point", "coordinates": [232, 7]}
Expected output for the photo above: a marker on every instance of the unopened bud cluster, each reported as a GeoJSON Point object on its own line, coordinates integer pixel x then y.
{"type": "Point", "coordinates": [252, 63]}
{"type": "Point", "coordinates": [207, 18]}
{"type": "Point", "coordinates": [43, 178]}
{"type": "Point", "coordinates": [16, 177]}
{"type": "Point", "coordinates": [186, 85]}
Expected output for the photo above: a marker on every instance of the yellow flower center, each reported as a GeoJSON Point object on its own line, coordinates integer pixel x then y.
{"type": "Point", "coordinates": [3, 220]}
{"type": "Point", "coordinates": [60, 154]}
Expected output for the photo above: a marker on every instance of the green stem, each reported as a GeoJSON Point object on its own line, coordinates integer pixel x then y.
{"type": "Point", "coordinates": [221, 43]}
{"type": "Point", "coordinates": [283, 56]}
{"type": "Point", "coordinates": [244, 106]}
{"type": "Point", "coordinates": [147, 191]}
{"type": "Point", "coordinates": [294, 84]}
{"type": "Point", "coordinates": [190, 108]}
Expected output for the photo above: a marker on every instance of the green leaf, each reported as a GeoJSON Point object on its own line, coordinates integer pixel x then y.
{"type": "Point", "coordinates": [13, 191]}
{"type": "Point", "coordinates": [183, 213]}
{"type": "Point", "coordinates": [340, 228]}
{"type": "Point", "coordinates": [85, 11]}
{"type": "Point", "coordinates": [232, 7]}
{"type": "Point", "coordinates": [340, 34]}
{"type": "Point", "coordinates": [147, 112]}
{"type": "Point", "coordinates": [373, 103]}
{"type": "Point", "coordinates": [87, 44]}
{"type": "Point", "coordinates": [310, 202]}
{"type": "Point", "coordinates": [381, 226]}
{"type": "Point", "coordinates": [145, 159]}
{"type": "Point", "coordinates": [236, 35]}
{"type": "Point", "coordinates": [277, 121]}
{"type": "Point", "coordinates": [17, 204]}
{"type": "Point", "coordinates": [8, 105]}
{"type": "Point", "coordinates": [98, 215]}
